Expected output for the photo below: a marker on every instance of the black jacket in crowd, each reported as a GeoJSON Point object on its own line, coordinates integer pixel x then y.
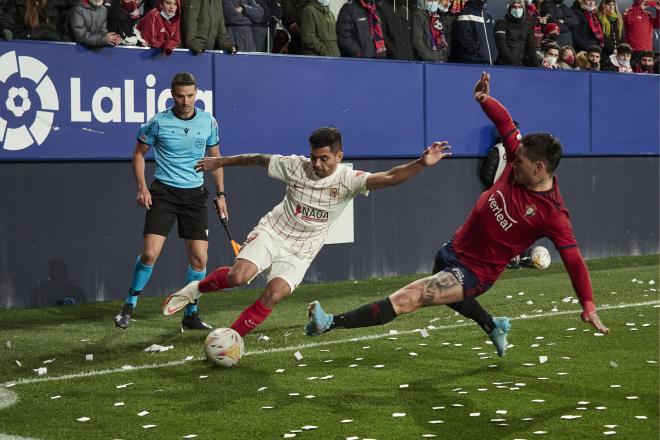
{"type": "Point", "coordinates": [515, 42]}
{"type": "Point", "coordinates": [353, 32]}
{"type": "Point", "coordinates": [583, 36]}
{"type": "Point", "coordinates": [397, 27]}
{"type": "Point", "coordinates": [474, 34]}
{"type": "Point", "coordinates": [561, 15]}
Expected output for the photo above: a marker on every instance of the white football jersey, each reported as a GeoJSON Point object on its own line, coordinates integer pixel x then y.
{"type": "Point", "coordinates": [311, 204]}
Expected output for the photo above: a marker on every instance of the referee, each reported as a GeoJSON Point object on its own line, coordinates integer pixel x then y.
{"type": "Point", "coordinates": [180, 136]}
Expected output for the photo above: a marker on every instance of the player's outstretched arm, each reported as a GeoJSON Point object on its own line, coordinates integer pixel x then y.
{"type": "Point", "coordinates": [497, 113]}
{"type": "Point", "coordinates": [432, 155]}
{"type": "Point", "coordinates": [213, 163]}
{"type": "Point", "coordinates": [579, 275]}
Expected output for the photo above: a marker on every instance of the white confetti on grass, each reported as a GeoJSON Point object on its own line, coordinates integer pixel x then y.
{"type": "Point", "coordinates": [298, 355]}
{"type": "Point", "coordinates": [543, 359]}
{"type": "Point", "coordinates": [289, 435]}
{"type": "Point", "coordinates": [124, 385]}
{"type": "Point", "coordinates": [190, 436]}
{"type": "Point", "coordinates": [398, 414]}
{"type": "Point", "coordinates": [309, 427]}
{"type": "Point", "coordinates": [83, 419]}
{"type": "Point", "coordinates": [148, 426]}
{"type": "Point", "coordinates": [19, 363]}
{"type": "Point", "coordinates": [49, 361]}
{"type": "Point", "coordinates": [89, 357]}
{"type": "Point", "coordinates": [641, 417]}
{"type": "Point", "coordinates": [262, 389]}
{"type": "Point", "coordinates": [55, 397]}
{"type": "Point", "coordinates": [609, 432]}
{"type": "Point", "coordinates": [118, 404]}
{"type": "Point", "coordinates": [267, 407]}
{"type": "Point", "coordinates": [475, 414]}
{"type": "Point", "coordinates": [570, 417]}
{"type": "Point", "coordinates": [40, 371]}
{"type": "Point", "coordinates": [143, 413]}
{"type": "Point", "coordinates": [346, 421]}
{"type": "Point", "coordinates": [632, 397]}
{"type": "Point", "coordinates": [158, 348]}
{"type": "Point", "coordinates": [436, 422]}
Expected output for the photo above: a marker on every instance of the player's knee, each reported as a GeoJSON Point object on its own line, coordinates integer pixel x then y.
{"type": "Point", "coordinates": [198, 263]}
{"type": "Point", "coordinates": [271, 297]}
{"type": "Point", "coordinates": [237, 277]}
{"type": "Point", "coordinates": [148, 257]}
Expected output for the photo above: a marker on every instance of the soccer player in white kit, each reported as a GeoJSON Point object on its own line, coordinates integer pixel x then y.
{"type": "Point", "coordinates": [287, 239]}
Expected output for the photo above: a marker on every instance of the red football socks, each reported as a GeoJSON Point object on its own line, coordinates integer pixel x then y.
{"type": "Point", "coordinates": [250, 318]}
{"type": "Point", "coordinates": [217, 280]}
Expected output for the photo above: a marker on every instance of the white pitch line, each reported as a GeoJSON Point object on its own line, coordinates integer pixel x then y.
{"type": "Point", "coordinates": [301, 346]}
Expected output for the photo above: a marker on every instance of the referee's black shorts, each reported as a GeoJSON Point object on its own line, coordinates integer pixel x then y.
{"type": "Point", "coordinates": [185, 205]}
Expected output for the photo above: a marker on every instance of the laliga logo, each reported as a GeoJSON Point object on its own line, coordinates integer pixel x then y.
{"type": "Point", "coordinates": [18, 102]}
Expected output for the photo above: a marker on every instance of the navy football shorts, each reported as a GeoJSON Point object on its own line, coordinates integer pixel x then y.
{"type": "Point", "coordinates": [447, 261]}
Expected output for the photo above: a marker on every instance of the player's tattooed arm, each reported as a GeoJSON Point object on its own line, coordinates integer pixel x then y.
{"type": "Point", "coordinates": [437, 286]}
{"type": "Point", "coordinates": [213, 163]}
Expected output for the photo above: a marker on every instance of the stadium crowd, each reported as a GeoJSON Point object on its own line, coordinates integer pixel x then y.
{"type": "Point", "coordinates": [533, 33]}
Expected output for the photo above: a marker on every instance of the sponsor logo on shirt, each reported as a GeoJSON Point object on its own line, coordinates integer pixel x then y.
{"type": "Point", "coordinates": [498, 208]}
{"type": "Point", "coordinates": [530, 210]}
{"type": "Point", "coordinates": [334, 192]}
{"type": "Point", "coordinates": [311, 214]}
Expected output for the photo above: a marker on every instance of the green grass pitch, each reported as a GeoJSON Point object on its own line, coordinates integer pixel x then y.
{"type": "Point", "coordinates": [558, 380]}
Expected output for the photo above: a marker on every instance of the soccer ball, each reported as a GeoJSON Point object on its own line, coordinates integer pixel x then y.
{"type": "Point", "coordinates": [224, 347]}
{"type": "Point", "coordinates": [540, 257]}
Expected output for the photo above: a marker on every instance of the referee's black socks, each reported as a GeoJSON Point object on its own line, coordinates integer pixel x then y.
{"type": "Point", "coordinates": [377, 313]}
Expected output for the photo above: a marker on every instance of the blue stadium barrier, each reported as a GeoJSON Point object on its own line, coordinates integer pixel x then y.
{"type": "Point", "coordinates": [87, 105]}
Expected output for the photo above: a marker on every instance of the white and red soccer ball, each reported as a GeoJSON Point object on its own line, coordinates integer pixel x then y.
{"type": "Point", "coordinates": [540, 257]}
{"type": "Point", "coordinates": [224, 347]}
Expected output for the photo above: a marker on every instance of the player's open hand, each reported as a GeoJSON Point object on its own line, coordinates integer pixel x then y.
{"type": "Point", "coordinates": [589, 315]}
{"type": "Point", "coordinates": [436, 152]}
{"type": "Point", "coordinates": [482, 88]}
{"type": "Point", "coordinates": [143, 198]}
{"type": "Point", "coordinates": [209, 164]}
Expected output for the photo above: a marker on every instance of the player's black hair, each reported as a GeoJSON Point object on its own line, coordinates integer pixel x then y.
{"type": "Point", "coordinates": [326, 137]}
{"type": "Point", "coordinates": [543, 147]}
{"type": "Point", "coordinates": [183, 79]}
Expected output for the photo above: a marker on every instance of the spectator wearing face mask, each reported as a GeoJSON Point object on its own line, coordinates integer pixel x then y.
{"type": "Point", "coordinates": [639, 25]}
{"type": "Point", "coordinates": [619, 61]}
{"type": "Point", "coordinates": [360, 31]}
{"type": "Point", "coordinates": [587, 30]}
{"type": "Point", "coordinates": [611, 20]}
{"type": "Point", "coordinates": [431, 30]}
{"type": "Point", "coordinates": [397, 28]}
{"type": "Point", "coordinates": [593, 56]}
{"type": "Point", "coordinates": [317, 30]}
{"type": "Point", "coordinates": [567, 59]}
{"type": "Point", "coordinates": [560, 14]}
{"type": "Point", "coordinates": [123, 16]}
{"type": "Point", "coordinates": [89, 25]}
{"type": "Point", "coordinates": [475, 35]}
{"type": "Point", "coordinates": [160, 26]}
{"type": "Point", "coordinates": [535, 21]}
{"type": "Point", "coordinates": [550, 56]}
{"type": "Point", "coordinates": [514, 38]}
{"type": "Point", "coordinates": [645, 64]}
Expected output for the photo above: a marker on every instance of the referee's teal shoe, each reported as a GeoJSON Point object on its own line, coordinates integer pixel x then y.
{"type": "Point", "coordinates": [319, 321]}
{"type": "Point", "coordinates": [499, 334]}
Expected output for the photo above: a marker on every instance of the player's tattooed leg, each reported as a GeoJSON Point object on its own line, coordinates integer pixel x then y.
{"type": "Point", "coordinates": [437, 286]}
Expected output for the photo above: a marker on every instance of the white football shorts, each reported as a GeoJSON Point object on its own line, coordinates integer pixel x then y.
{"type": "Point", "coordinates": [273, 256]}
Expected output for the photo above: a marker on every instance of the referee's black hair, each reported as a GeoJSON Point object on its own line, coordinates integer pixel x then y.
{"type": "Point", "coordinates": [326, 137]}
{"type": "Point", "coordinates": [543, 147]}
{"type": "Point", "coordinates": [183, 79]}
